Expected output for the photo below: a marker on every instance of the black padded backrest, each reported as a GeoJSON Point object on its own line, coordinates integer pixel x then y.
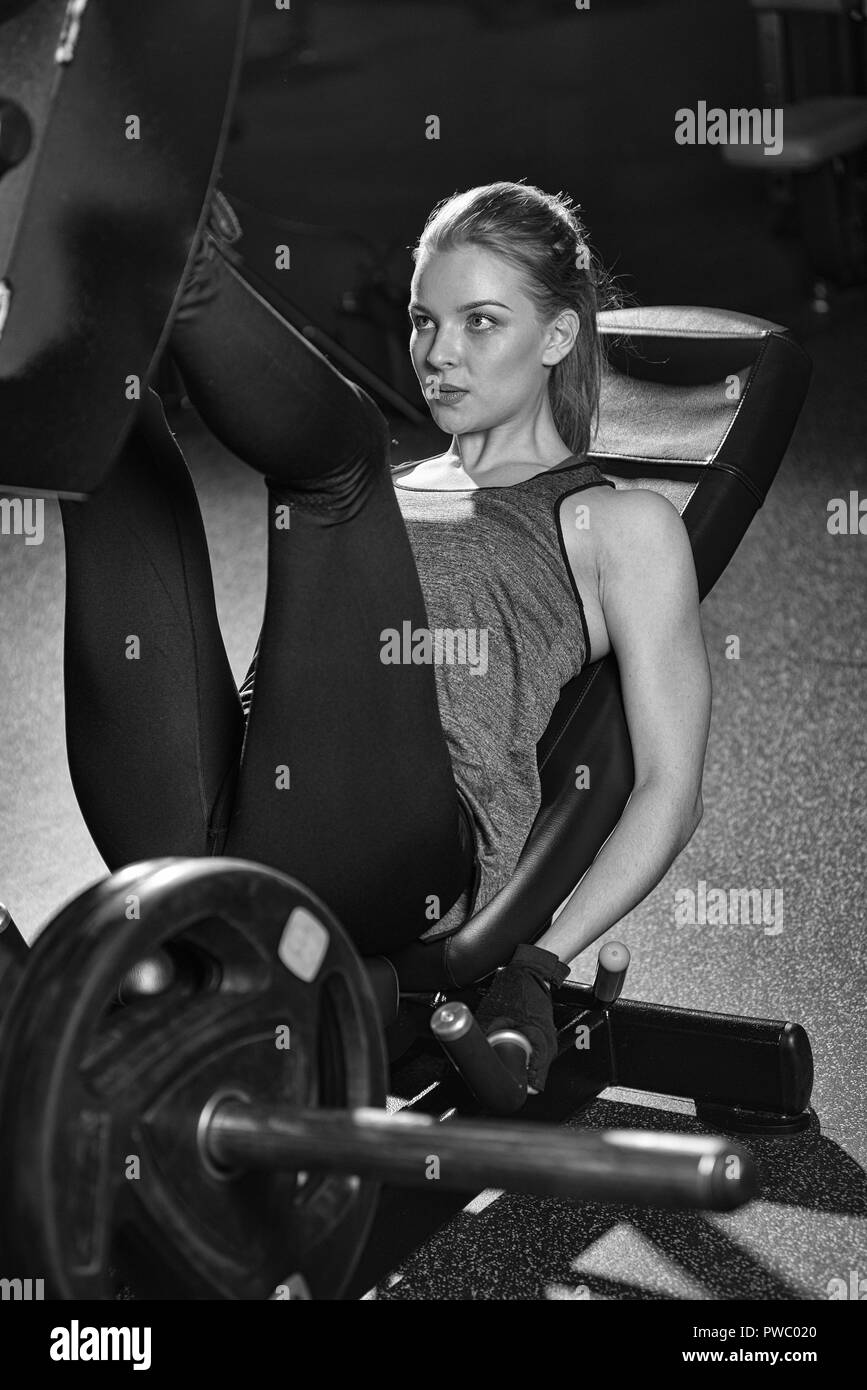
{"type": "Point", "coordinates": [698, 404]}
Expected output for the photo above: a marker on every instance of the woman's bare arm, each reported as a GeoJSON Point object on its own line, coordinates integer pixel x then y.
{"type": "Point", "coordinates": [649, 597]}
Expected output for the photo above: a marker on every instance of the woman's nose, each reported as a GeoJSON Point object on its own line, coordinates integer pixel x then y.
{"type": "Point", "coordinates": [442, 352]}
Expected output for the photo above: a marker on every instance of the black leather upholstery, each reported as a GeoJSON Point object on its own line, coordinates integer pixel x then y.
{"type": "Point", "coordinates": [700, 405]}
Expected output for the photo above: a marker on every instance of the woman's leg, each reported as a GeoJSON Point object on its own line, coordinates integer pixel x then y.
{"type": "Point", "coordinates": [154, 724]}
{"type": "Point", "coordinates": [346, 780]}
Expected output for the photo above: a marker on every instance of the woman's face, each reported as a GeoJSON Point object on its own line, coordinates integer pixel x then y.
{"type": "Point", "coordinates": [475, 329]}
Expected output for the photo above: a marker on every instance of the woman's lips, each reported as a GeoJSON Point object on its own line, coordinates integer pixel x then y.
{"type": "Point", "coordinates": [446, 396]}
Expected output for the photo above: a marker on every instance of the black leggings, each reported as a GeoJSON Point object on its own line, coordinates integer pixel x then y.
{"type": "Point", "coordinates": [340, 775]}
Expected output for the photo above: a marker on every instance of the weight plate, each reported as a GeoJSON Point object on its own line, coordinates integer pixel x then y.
{"type": "Point", "coordinates": [113, 121]}
{"type": "Point", "coordinates": [104, 1170]}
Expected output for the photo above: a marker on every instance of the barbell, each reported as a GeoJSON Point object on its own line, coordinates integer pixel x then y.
{"type": "Point", "coordinates": [225, 1136]}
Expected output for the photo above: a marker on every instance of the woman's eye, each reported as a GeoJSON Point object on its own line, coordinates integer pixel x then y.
{"type": "Point", "coordinates": [478, 323]}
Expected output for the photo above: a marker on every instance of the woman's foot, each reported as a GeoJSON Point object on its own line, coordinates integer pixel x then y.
{"type": "Point", "coordinates": [219, 234]}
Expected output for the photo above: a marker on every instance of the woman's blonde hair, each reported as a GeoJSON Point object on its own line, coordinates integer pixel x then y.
{"type": "Point", "coordinates": [542, 235]}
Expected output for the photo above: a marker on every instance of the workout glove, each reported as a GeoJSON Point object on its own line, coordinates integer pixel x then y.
{"type": "Point", "coordinates": [520, 998]}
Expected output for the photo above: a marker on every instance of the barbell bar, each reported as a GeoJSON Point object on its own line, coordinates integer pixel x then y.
{"type": "Point", "coordinates": [626, 1166]}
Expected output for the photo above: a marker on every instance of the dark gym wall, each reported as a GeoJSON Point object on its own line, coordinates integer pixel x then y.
{"type": "Point", "coordinates": [581, 100]}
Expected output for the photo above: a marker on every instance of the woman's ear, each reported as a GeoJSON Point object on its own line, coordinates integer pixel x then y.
{"type": "Point", "coordinates": [561, 337]}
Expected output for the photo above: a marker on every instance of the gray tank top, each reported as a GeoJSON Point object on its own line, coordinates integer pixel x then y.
{"type": "Point", "coordinates": [507, 633]}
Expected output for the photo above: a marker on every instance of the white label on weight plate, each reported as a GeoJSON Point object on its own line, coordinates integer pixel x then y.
{"type": "Point", "coordinates": [304, 944]}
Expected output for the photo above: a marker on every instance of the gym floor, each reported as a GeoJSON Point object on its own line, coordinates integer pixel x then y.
{"type": "Point", "coordinates": [787, 763]}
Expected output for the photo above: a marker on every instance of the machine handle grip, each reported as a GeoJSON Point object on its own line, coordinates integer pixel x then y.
{"type": "Point", "coordinates": [494, 1068]}
{"type": "Point", "coordinates": [611, 967]}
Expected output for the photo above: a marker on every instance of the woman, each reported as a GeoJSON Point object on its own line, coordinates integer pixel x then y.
{"type": "Point", "coordinates": [397, 785]}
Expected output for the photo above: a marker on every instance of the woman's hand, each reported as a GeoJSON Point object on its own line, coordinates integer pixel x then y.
{"type": "Point", "coordinates": [520, 998]}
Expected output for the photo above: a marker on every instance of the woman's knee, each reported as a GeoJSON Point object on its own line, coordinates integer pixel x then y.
{"type": "Point", "coordinates": [360, 453]}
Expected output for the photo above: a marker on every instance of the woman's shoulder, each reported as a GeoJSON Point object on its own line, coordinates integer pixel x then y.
{"type": "Point", "coordinates": [626, 511]}
{"type": "Point", "coordinates": [630, 531]}
{"type": "Point", "coordinates": [624, 506]}
{"type": "Point", "coordinates": [588, 507]}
